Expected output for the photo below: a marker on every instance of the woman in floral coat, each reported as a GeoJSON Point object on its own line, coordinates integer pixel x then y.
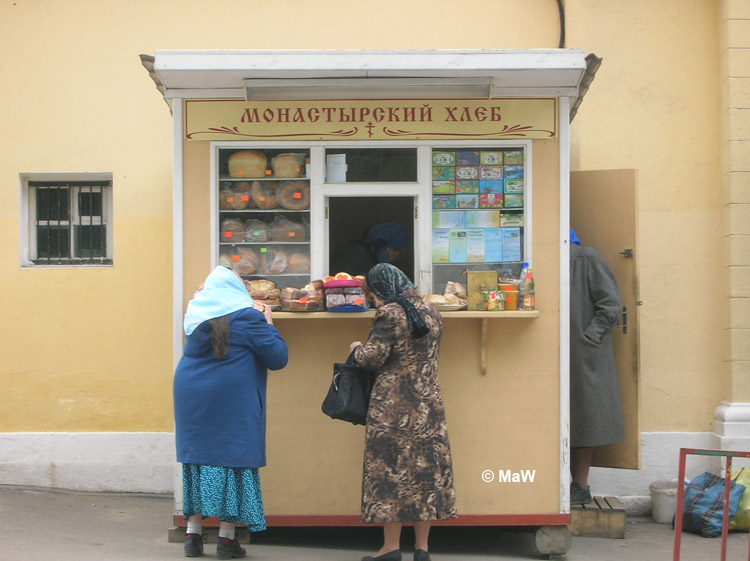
{"type": "Point", "coordinates": [408, 474]}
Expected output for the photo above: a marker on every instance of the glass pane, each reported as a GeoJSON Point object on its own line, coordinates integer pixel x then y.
{"type": "Point", "coordinates": [51, 204]}
{"type": "Point", "coordinates": [478, 214]}
{"type": "Point", "coordinates": [89, 203]}
{"type": "Point", "coordinates": [371, 165]}
{"type": "Point", "coordinates": [90, 241]}
{"type": "Point", "coordinates": [52, 242]}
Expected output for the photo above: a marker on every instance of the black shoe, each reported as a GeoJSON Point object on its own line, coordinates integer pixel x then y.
{"type": "Point", "coordinates": [193, 545]}
{"type": "Point", "coordinates": [579, 495]}
{"type": "Point", "coordinates": [229, 549]}
{"type": "Point", "coordinates": [421, 555]}
{"type": "Point", "coordinates": [394, 555]}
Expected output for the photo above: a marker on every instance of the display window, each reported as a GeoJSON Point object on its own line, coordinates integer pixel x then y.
{"type": "Point", "coordinates": [291, 213]}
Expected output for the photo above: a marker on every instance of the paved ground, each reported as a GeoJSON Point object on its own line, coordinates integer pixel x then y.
{"type": "Point", "coordinates": [40, 524]}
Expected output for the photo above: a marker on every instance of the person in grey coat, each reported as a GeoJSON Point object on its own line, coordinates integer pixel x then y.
{"type": "Point", "coordinates": [595, 409]}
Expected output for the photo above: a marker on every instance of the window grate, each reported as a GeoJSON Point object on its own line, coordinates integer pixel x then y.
{"type": "Point", "coordinates": [70, 222]}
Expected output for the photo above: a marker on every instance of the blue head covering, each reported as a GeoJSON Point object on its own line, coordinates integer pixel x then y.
{"type": "Point", "coordinates": [222, 294]}
{"type": "Point", "coordinates": [574, 238]}
{"type": "Point", "coordinates": [388, 282]}
{"type": "Point", "coordinates": [386, 234]}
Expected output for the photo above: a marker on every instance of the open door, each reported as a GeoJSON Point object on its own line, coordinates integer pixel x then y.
{"type": "Point", "coordinates": [603, 213]}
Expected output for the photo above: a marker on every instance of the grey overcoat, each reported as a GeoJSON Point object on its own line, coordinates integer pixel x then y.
{"type": "Point", "coordinates": [595, 409]}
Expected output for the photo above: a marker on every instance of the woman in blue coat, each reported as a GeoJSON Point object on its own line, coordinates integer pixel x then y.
{"type": "Point", "coordinates": [220, 409]}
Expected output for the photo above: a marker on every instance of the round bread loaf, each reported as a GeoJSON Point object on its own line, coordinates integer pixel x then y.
{"type": "Point", "coordinates": [232, 230]}
{"type": "Point", "coordinates": [287, 165]}
{"type": "Point", "coordinates": [299, 263]}
{"type": "Point", "coordinates": [264, 195]}
{"type": "Point", "coordinates": [248, 262]}
{"type": "Point", "coordinates": [247, 163]}
{"type": "Point", "coordinates": [275, 262]}
{"type": "Point", "coordinates": [286, 230]}
{"type": "Point", "coordinates": [294, 195]}
{"type": "Point", "coordinates": [257, 231]}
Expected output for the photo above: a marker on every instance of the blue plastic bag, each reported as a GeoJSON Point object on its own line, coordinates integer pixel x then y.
{"type": "Point", "coordinates": [703, 508]}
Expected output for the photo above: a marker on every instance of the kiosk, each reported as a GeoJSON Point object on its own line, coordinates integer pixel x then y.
{"type": "Point", "coordinates": [469, 150]}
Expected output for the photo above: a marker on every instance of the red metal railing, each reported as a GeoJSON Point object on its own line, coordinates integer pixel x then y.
{"type": "Point", "coordinates": [681, 495]}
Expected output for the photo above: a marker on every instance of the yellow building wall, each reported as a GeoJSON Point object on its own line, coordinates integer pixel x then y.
{"type": "Point", "coordinates": [75, 98]}
{"type": "Point", "coordinates": [654, 106]}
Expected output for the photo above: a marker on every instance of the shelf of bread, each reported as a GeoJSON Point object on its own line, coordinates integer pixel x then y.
{"type": "Point", "coordinates": [369, 314]}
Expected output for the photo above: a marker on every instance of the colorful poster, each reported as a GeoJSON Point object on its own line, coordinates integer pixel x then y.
{"type": "Point", "coordinates": [467, 201]}
{"type": "Point", "coordinates": [449, 219]}
{"type": "Point", "coordinates": [443, 201]}
{"type": "Point", "coordinates": [513, 172]}
{"type": "Point", "coordinates": [475, 245]}
{"type": "Point", "coordinates": [513, 158]}
{"type": "Point", "coordinates": [482, 219]}
{"type": "Point", "coordinates": [440, 246]}
{"type": "Point", "coordinates": [491, 186]}
{"type": "Point", "coordinates": [467, 186]}
{"type": "Point", "coordinates": [514, 185]}
{"type": "Point", "coordinates": [443, 187]}
{"type": "Point", "coordinates": [511, 244]}
{"type": "Point", "coordinates": [493, 245]}
{"type": "Point", "coordinates": [458, 246]}
{"type": "Point", "coordinates": [467, 158]}
{"type": "Point", "coordinates": [492, 200]}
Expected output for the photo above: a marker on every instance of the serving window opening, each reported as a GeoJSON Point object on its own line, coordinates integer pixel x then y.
{"type": "Point", "coordinates": [363, 231]}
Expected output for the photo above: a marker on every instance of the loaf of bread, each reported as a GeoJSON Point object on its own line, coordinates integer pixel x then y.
{"type": "Point", "coordinates": [260, 285]}
{"type": "Point", "coordinates": [299, 263]}
{"type": "Point", "coordinates": [232, 230]}
{"type": "Point", "coordinates": [287, 230]}
{"type": "Point", "coordinates": [274, 262]}
{"type": "Point", "coordinates": [294, 195]}
{"type": "Point", "coordinates": [263, 194]}
{"type": "Point", "coordinates": [247, 163]}
{"type": "Point", "coordinates": [257, 231]}
{"type": "Point", "coordinates": [287, 165]}
{"type": "Point", "coordinates": [248, 261]}
{"type": "Point", "coordinates": [334, 300]}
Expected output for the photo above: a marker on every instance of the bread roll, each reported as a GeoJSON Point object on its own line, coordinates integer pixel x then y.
{"type": "Point", "coordinates": [287, 230]}
{"type": "Point", "coordinates": [294, 195]}
{"type": "Point", "coordinates": [287, 165]}
{"type": "Point", "coordinates": [264, 195]}
{"type": "Point", "coordinates": [247, 163]}
{"type": "Point", "coordinates": [299, 263]}
{"type": "Point", "coordinates": [257, 231]}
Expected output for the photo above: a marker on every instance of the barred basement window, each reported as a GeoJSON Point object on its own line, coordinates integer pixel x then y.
{"type": "Point", "coordinates": [69, 222]}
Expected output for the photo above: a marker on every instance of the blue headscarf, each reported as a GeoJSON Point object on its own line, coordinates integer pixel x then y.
{"type": "Point", "coordinates": [386, 234]}
{"type": "Point", "coordinates": [574, 238]}
{"type": "Point", "coordinates": [222, 294]}
{"type": "Point", "coordinates": [388, 283]}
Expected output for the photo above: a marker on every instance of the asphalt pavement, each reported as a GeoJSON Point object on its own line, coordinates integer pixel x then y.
{"type": "Point", "coordinates": [44, 524]}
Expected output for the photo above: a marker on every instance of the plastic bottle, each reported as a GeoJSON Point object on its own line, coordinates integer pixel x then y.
{"type": "Point", "coordinates": [526, 298]}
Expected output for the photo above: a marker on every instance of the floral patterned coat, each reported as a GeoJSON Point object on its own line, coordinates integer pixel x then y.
{"type": "Point", "coordinates": [408, 473]}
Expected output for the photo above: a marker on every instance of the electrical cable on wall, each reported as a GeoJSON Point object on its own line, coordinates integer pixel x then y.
{"type": "Point", "coordinates": [561, 11]}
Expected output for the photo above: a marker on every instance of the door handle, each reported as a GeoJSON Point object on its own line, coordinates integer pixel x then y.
{"type": "Point", "coordinates": [627, 253]}
{"type": "Point", "coordinates": [624, 319]}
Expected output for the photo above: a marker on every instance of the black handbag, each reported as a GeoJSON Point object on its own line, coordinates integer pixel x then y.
{"type": "Point", "coordinates": [349, 393]}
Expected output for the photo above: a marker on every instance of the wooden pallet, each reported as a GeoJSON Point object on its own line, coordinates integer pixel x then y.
{"type": "Point", "coordinates": [604, 517]}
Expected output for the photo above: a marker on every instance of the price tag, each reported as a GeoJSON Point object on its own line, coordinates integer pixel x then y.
{"type": "Point", "coordinates": [236, 258]}
{"type": "Point", "coordinates": [292, 234]}
{"type": "Point", "coordinates": [230, 199]}
{"type": "Point", "coordinates": [228, 234]}
{"type": "Point", "coordinates": [245, 198]}
{"type": "Point", "coordinates": [263, 249]}
{"type": "Point", "coordinates": [296, 195]}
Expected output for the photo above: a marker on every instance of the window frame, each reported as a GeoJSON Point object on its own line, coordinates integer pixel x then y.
{"type": "Point", "coordinates": [28, 223]}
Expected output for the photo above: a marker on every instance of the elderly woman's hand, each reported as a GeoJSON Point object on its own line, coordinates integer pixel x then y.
{"type": "Point", "coordinates": [354, 345]}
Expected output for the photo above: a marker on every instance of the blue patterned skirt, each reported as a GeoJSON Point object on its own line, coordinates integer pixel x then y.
{"type": "Point", "coordinates": [230, 494]}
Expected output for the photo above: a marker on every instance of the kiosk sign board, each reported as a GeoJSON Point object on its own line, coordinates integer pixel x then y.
{"type": "Point", "coordinates": [434, 119]}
